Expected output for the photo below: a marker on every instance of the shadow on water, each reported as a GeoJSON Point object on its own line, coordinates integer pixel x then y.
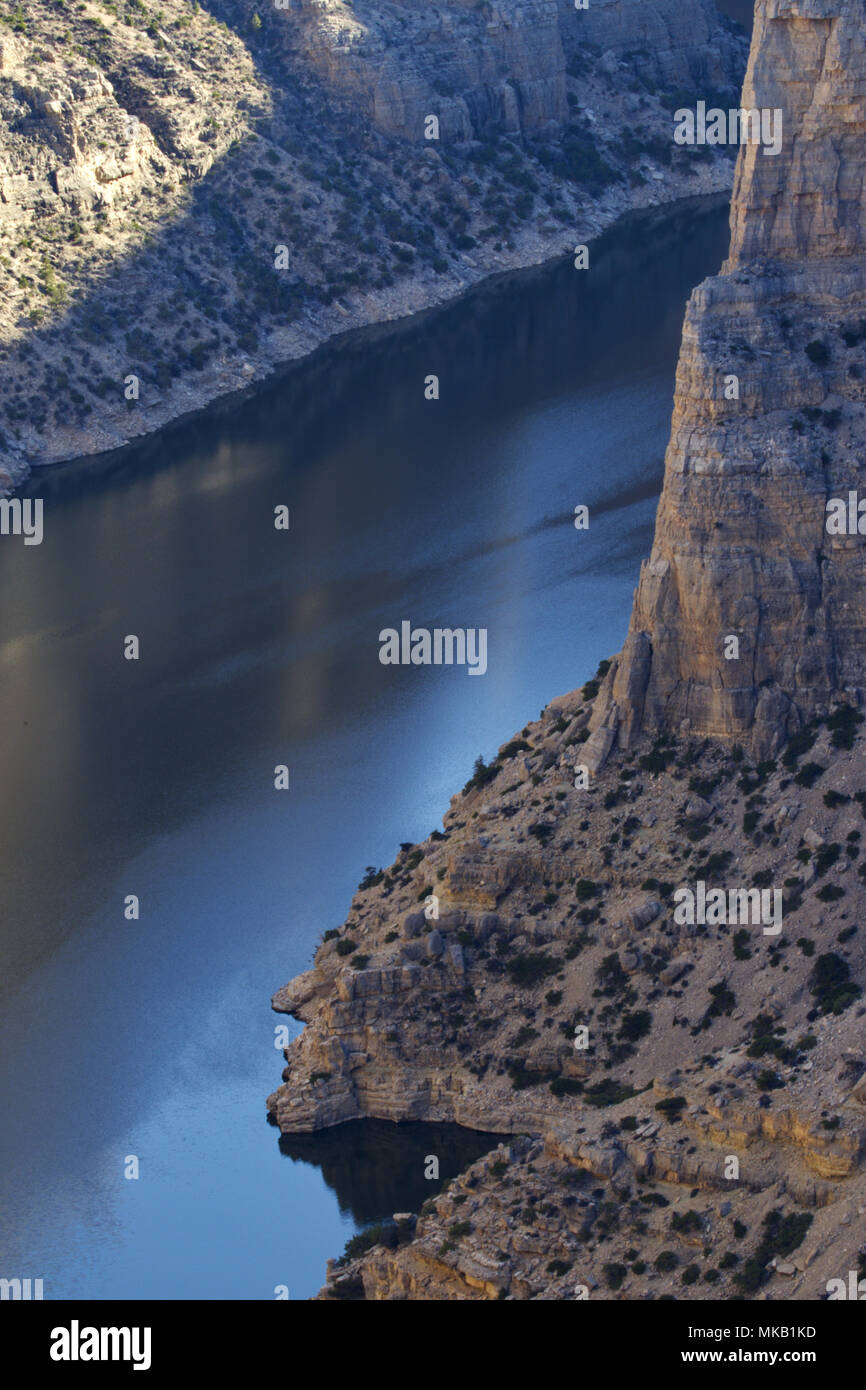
{"type": "Point", "coordinates": [519, 338]}
{"type": "Point", "coordinates": [377, 1168]}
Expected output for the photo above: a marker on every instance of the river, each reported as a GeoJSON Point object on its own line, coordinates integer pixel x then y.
{"type": "Point", "coordinates": [152, 1038]}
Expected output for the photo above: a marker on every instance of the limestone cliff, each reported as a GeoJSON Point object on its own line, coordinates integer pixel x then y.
{"type": "Point", "coordinates": [741, 548]}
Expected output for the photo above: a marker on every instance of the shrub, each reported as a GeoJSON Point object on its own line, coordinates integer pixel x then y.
{"type": "Point", "coordinates": [818, 352]}
{"type": "Point", "coordinates": [531, 967]}
{"type": "Point", "coordinates": [459, 1229]}
{"type": "Point", "coordinates": [809, 774]}
{"type": "Point", "coordinates": [517, 745]}
{"type": "Point", "coordinates": [672, 1108]}
{"type": "Point", "coordinates": [608, 1092]}
{"type": "Point", "coordinates": [383, 1233]}
{"type": "Point", "coordinates": [741, 951]}
{"type": "Point", "coordinates": [768, 1080]}
{"type": "Point", "coordinates": [830, 893]}
{"type": "Point", "coordinates": [610, 974]}
{"type": "Point", "coordinates": [482, 773]}
{"type": "Point", "coordinates": [843, 724]}
{"type": "Point", "coordinates": [566, 1086]}
{"type": "Point", "coordinates": [656, 761]}
{"type": "Point", "coordinates": [345, 947]}
{"type": "Point", "coordinates": [831, 984]}
{"type": "Point", "coordinates": [685, 1221]}
{"type": "Point", "coordinates": [826, 857]}
{"type": "Point", "coordinates": [635, 1025]}
{"type": "Point", "coordinates": [832, 799]}
{"type": "Point", "coordinates": [666, 1261]}
{"type": "Point", "coordinates": [782, 1235]}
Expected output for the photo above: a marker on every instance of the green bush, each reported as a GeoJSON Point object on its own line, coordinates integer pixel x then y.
{"type": "Point", "coordinates": [782, 1235]}
{"type": "Point", "coordinates": [809, 774]}
{"type": "Point", "coordinates": [482, 774]}
{"type": "Point", "coordinates": [566, 1086]}
{"type": "Point", "coordinates": [672, 1108]}
{"type": "Point", "coordinates": [614, 1275]}
{"type": "Point", "coordinates": [686, 1221]}
{"type": "Point", "coordinates": [818, 352]}
{"type": "Point", "coordinates": [608, 1092]}
{"type": "Point", "coordinates": [635, 1025]}
{"type": "Point", "coordinates": [531, 967]}
{"type": "Point", "coordinates": [831, 984]}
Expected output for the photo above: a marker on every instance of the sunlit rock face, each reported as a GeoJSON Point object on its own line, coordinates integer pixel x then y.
{"type": "Point", "coordinates": [749, 615]}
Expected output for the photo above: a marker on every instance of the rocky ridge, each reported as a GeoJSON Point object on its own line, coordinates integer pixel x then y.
{"type": "Point", "coordinates": [153, 161]}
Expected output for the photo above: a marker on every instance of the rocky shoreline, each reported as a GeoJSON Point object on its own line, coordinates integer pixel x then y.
{"type": "Point", "coordinates": [192, 198]}
{"type": "Point", "coordinates": [320, 327]}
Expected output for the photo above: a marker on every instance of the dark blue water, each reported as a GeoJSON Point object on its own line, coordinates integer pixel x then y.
{"type": "Point", "coordinates": [155, 1038]}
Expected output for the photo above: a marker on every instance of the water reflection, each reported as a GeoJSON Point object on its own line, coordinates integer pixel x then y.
{"type": "Point", "coordinates": [376, 1168]}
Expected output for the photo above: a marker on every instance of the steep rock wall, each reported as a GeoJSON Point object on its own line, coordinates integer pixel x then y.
{"type": "Point", "coordinates": [741, 548]}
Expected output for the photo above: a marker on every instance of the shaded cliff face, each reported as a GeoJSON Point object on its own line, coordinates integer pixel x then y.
{"type": "Point", "coordinates": [742, 549]}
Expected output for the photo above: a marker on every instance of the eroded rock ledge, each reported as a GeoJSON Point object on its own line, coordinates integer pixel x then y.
{"type": "Point", "coordinates": [557, 909]}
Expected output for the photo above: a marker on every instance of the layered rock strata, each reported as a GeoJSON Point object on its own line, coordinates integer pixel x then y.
{"type": "Point", "coordinates": [768, 425]}
{"type": "Point", "coordinates": [722, 1078]}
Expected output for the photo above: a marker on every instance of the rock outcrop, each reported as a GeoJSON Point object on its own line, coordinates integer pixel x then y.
{"type": "Point", "coordinates": [750, 616]}
{"type": "Point", "coordinates": [720, 1082]}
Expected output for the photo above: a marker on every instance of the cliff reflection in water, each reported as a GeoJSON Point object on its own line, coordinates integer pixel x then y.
{"type": "Point", "coordinates": [377, 1168]}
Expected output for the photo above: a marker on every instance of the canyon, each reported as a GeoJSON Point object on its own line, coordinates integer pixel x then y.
{"type": "Point", "coordinates": [153, 160]}
{"type": "Point", "coordinates": [709, 1141]}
